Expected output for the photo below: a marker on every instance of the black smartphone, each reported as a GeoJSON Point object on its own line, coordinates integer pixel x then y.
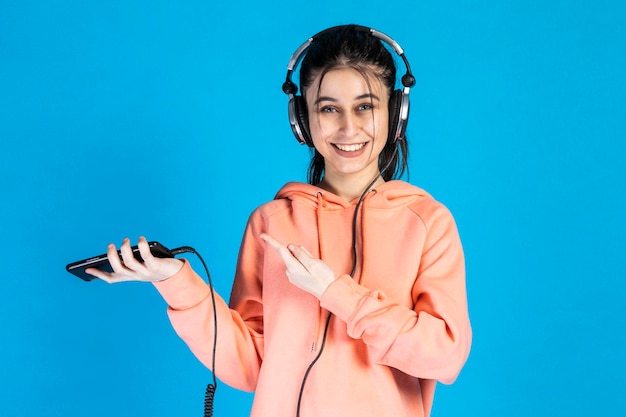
{"type": "Point", "coordinates": [101, 262]}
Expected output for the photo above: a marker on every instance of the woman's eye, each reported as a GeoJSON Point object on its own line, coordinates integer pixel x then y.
{"type": "Point", "coordinates": [328, 109]}
{"type": "Point", "coordinates": [366, 106]}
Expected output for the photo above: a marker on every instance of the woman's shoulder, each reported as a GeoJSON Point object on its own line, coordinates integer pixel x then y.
{"type": "Point", "coordinates": [414, 198]}
{"type": "Point", "coordinates": [283, 199]}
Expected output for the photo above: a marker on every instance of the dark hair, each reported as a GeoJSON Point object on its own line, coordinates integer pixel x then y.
{"type": "Point", "coordinates": [349, 47]}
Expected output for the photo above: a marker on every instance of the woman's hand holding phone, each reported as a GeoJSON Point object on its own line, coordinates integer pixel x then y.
{"type": "Point", "coordinates": [130, 269]}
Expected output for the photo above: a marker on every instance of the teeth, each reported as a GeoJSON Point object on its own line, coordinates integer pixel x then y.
{"type": "Point", "coordinates": [350, 148]}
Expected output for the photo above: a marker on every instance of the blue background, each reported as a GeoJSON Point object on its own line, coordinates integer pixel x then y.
{"type": "Point", "coordinates": [166, 118]}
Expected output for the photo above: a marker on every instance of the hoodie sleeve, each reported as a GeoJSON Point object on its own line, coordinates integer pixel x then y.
{"type": "Point", "coordinates": [430, 341]}
{"type": "Point", "coordinates": [240, 342]}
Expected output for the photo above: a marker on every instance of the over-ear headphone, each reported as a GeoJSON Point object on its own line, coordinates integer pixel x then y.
{"type": "Point", "coordinates": [398, 102]}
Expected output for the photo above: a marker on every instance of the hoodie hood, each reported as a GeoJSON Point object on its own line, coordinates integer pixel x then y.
{"type": "Point", "coordinates": [388, 195]}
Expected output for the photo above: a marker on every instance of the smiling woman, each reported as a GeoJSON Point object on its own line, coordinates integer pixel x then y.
{"type": "Point", "coordinates": [349, 297]}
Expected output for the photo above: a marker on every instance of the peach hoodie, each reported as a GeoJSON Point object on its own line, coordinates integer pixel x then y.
{"type": "Point", "coordinates": [398, 326]}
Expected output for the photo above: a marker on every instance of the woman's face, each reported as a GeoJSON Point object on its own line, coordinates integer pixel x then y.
{"type": "Point", "coordinates": [348, 121]}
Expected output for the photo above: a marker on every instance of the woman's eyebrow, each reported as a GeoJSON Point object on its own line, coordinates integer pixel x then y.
{"type": "Point", "coordinates": [325, 98]}
{"type": "Point", "coordinates": [334, 100]}
{"type": "Point", "coordinates": [368, 95]}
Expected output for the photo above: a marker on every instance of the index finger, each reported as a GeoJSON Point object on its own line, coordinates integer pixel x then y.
{"type": "Point", "coordinates": [284, 251]}
{"type": "Point", "coordinates": [273, 242]}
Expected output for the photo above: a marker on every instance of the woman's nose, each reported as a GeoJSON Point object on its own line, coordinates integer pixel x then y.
{"type": "Point", "coordinates": [349, 125]}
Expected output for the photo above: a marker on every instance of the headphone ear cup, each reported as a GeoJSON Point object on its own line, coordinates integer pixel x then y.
{"type": "Point", "coordinates": [398, 115]}
{"type": "Point", "coordinates": [299, 120]}
{"type": "Point", "coordinates": [302, 116]}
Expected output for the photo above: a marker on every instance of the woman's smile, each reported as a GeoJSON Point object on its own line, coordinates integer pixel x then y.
{"type": "Point", "coordinates": [350, 150]}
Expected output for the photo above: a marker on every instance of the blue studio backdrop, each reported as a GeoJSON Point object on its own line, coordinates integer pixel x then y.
{"type": "Point", "coordinates": [167, 119]}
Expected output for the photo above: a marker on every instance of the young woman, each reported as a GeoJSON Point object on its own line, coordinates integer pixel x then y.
{"type": "Point", "coordinates": [349, 297]}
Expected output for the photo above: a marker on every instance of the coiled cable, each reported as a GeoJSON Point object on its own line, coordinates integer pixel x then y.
{"type": "Point", "coordinates": [209, 395]}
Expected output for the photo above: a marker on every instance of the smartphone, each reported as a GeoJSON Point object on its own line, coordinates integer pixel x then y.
{"type": "Point", "coordinates": [101, 262]}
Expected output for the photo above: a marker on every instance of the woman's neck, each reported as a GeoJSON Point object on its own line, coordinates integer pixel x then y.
{"type": "Point", "coordinates": [349, 188]}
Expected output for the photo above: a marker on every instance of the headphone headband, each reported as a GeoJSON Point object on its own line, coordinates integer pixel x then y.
{"type": "Point", "coordinates": [399, 101]}
{"type": "Point", "coordinates": [408, 80]}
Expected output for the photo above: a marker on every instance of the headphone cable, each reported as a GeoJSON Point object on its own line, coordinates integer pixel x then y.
{"type": "Point", "coordinates": [209, 395]}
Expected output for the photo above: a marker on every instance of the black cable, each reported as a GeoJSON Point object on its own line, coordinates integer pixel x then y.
{"type": "Point", "coordinates": [319, 354]}
{"type": "Point", "coordinates": [210, 389]}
